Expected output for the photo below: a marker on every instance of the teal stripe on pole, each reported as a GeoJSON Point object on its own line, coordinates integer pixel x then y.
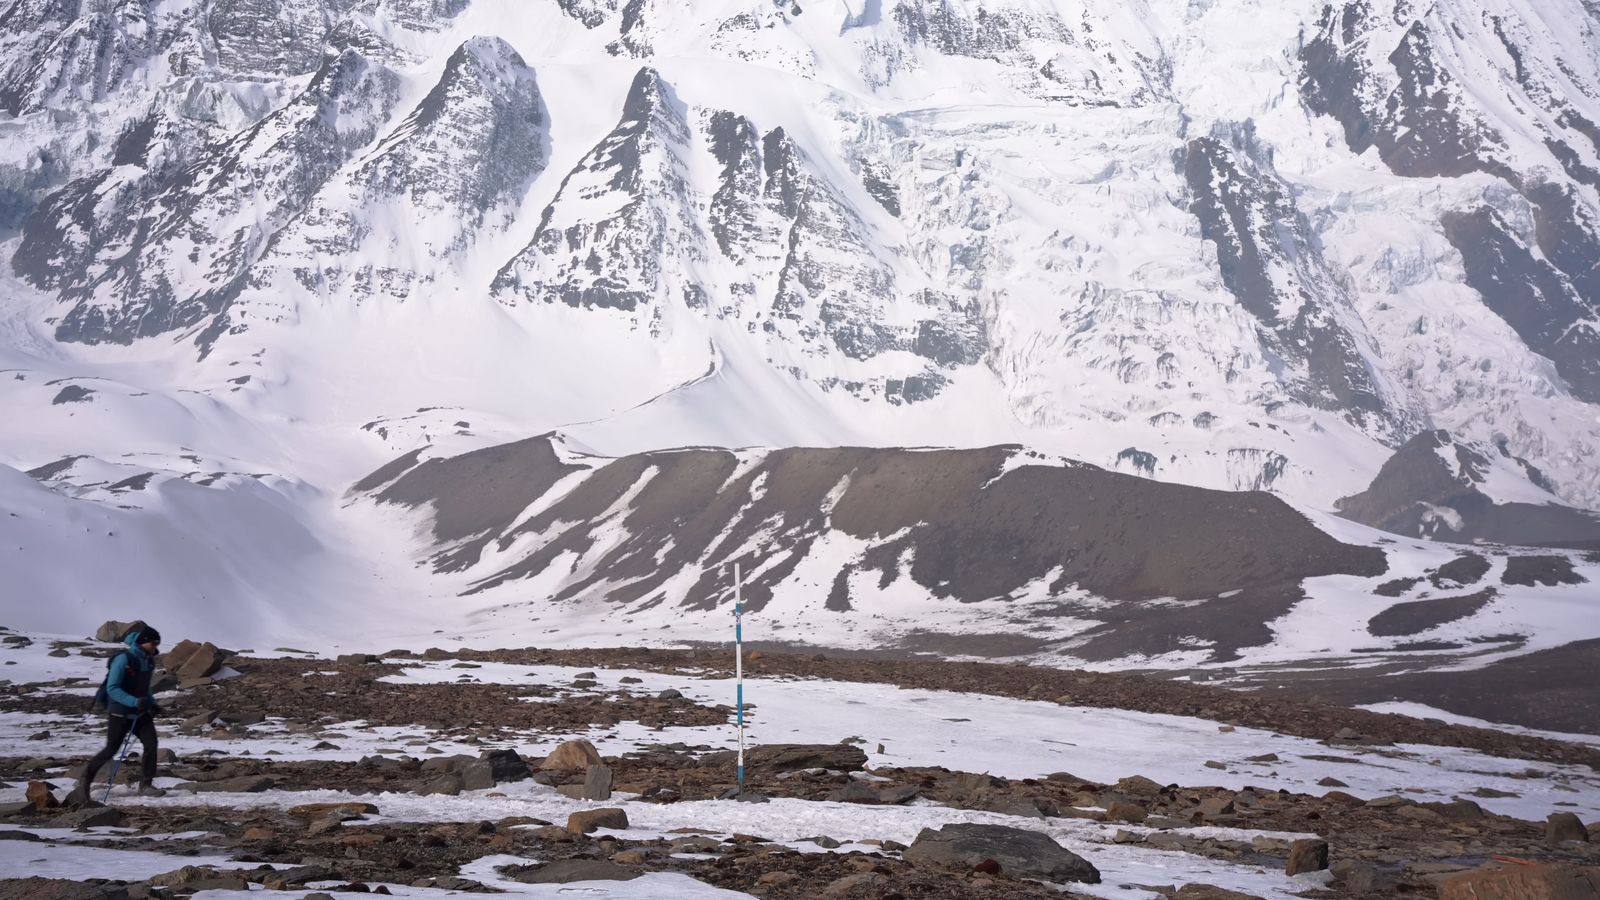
{"type": "Point", "coordinates": [738, 664]}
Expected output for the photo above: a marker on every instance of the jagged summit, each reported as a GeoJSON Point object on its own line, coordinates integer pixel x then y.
{"type": "Point", "coordinates": [256, 250]}
{"type": "Point", "coordinates": [621, 218]}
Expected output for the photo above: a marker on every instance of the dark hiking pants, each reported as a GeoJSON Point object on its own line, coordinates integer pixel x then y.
{"type": "Point", "coordinates": [118, 730]}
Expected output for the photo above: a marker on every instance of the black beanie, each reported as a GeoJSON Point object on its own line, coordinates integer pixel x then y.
{"type": "Point", "coordinates": [148, 635]}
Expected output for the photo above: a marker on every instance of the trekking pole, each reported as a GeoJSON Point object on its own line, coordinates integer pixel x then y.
{"type": "Point", "coordinates": [738, 663]}
{"type": "Point", "coordinates": [127, 740]}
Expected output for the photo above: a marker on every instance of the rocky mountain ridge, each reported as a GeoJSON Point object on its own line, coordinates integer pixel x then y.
{"type": "Point", "coordinates": [1088, 229]}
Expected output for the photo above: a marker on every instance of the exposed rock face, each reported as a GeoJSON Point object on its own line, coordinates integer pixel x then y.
{"type": "Point", "coordinates": [1416, 106]}
{"type": "Point", "coordinates": [973, 528]}
{"type": "Point", "coordinates": [1437, 487]}
{"type": "Point", "coordinates": [608, 238]}
{"type": "Point", "coordinates": [273, 38]}
{"type": "Point", "coordinates": [1514, 882]}
{"type": "Point", "coordinates": [61, 52]}
{"type": "Point", "coordinates": [450, 169]}
{"type": "Point", "coordinates": [208, 216]}
{"type": "Point", "coordinates": [1077, 228]}
{"type": "Point", "coordinates": [1271, 262]}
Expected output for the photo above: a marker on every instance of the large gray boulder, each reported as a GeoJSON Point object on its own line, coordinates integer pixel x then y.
{"type": "Point", "coordinates": [1020, 853]}
{"type": "Point", "coordinates": [116, 632]}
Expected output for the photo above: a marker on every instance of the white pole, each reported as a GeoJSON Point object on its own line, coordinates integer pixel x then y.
{"type": "Point", "coordinates": [738, 662]}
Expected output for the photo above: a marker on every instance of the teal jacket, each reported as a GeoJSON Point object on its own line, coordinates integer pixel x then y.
{"type": "Point", "coordinates": [129, 680]}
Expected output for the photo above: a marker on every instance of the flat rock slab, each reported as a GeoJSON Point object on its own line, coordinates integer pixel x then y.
{"type": "Point", "coordinates": [319, 810]}
{"type": "Point", "coordinates": [565, 871]}
{"type": "Point", "coordinates": [244, 784]}
{"type": "Point", "coordinates": [790, 757]}
{"type": "Point", "coordinates": [1020, 853]}
{"type": "Point", "coordinates": [58, 889]}
{"type": "Point", "coordinates": [93, 817]}
{"type": "Point", "coordinates": [1536, 882]}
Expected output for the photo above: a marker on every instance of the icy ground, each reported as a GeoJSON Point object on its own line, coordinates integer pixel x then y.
{"type": "Point", "coordinates": [960, 731]}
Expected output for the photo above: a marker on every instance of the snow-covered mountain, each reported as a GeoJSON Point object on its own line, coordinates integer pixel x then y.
{"type": "Point", "coordinates": [258, 250]}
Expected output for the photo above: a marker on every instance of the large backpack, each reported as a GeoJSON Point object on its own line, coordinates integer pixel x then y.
{"type": "Point", "coordinates": [102, 697]}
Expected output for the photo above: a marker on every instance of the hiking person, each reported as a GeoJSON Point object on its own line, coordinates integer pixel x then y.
{"type": "Point", "coordinates": [130, 707]}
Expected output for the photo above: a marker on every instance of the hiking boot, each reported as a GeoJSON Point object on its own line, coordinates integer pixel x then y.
{"type": "Point", "coordinates": [149, 790]}
{"type": "Point", "coordinates": [78, 798]}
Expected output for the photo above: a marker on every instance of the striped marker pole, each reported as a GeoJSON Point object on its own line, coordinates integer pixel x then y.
{"type": "Point", "coordinates": [738, 664]}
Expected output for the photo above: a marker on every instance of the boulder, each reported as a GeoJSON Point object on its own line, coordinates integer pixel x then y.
{"type": "Point", "coordinates": [448, 784]}
{"type": "Point", "coordinates": [319, 810]}
{"type": "Point", "coordinates": [1307, 855]}
{"type": "Point", "coordinates": [202, 663]}
{"type": "Point", "coordinates": [565, 871]}
{"type": "Point", "coordinates": [1212, 807]}
{"type": "Point", "coordinates": [585, 821]}
{"type": "Point", "coordinates": [898, 793]}
{"type": "Point", "coordinates": [178, 654]}
{"type": "Point", "coordinates": [1210, 892]}
{"type": "Point", "coordinates": [1356, 877]}
{"type": "Point", "coordinates": [789, 757]}
{"type": "Point", "coordinates": [200, 878]}
{"type": "Point", "coordinates": [36, 888]}
{"type": "Point", "coordinates": [39, 796]}
{"type": "Point", "coordinates": [243, 784]}
{"type": "Point", "coordinates": [597, 783]}
{"type": "Point", "coordinates": [1121, 811]}
{"type": "Point", "coordinates": [1559, 827]}
{"type": "Point", "coordinates": [1019, 853]}
{"type": "Point", "coordinates": [1458, 810]}
{"type": "Point", "coordinates": [442, 764]}
{"type": "Point", "coordinates": [197, 722]}
{"type": "Point", "coordinates": [117, 632]}
{"type": "Point", "coordinates": [854, 792]}
{"type": "Point", "coordinates": [92, 817]}
{"type": "Point", "coordinates": [505, 765]}
{"type": "Point", "coordinates": [476, 776]}
{"type": "Point", "coordinates": [1524, 882]}
{"type": "Point", "coordinates": [1139, 786]}
{"type": "Point", "coordinates": [572, 756]}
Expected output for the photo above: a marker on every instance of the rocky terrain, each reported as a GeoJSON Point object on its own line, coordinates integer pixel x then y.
{"type": "Point", "coordinates": [500, 770]}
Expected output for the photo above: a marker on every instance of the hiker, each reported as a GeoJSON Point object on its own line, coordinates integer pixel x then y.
{"type": "Point", "coordinates": [130, 705]}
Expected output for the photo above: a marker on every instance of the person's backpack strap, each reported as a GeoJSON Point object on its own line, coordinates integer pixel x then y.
{"type": "Point", "coordinates": [102, 697]}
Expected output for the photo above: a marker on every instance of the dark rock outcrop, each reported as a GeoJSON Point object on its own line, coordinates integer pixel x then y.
{"type": "Point", "coordinates": [981, 530]}
{"type": "Point", "coordinates": [1433, 486]}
